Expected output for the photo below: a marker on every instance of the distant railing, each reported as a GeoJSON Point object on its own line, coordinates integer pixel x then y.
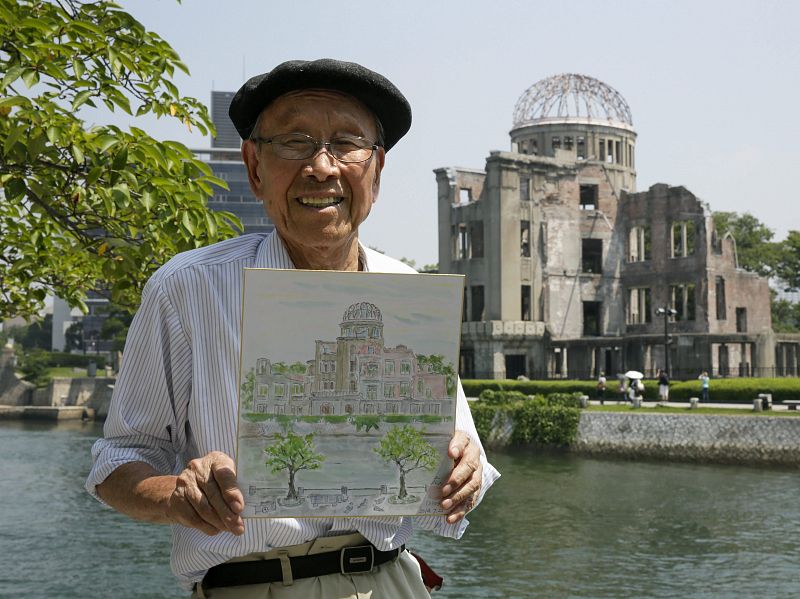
{"type": "Point", "coordinates": [677, 374]}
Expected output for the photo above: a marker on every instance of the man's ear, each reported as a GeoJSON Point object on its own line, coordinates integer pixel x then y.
{"type": "Point", "coordinates": [250, 159]}
{"type": "Point", "coordinates": [380, 157]}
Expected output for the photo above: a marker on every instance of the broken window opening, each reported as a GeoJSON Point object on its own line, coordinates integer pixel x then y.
{"type": "Point", "coordinates": [462, 242]}
{"type": "Point", "coordinates": [476, 303]}
{"type": "Point", "coordinates": [638, 308]}
{"type": "Point", "coordinates": [476, 239]}
{"type": "Point", "coordinates": [683, 301]}
{"type": "Point", "coordinates": [464, 195]}
{"type": "Point", "coordinates": [568, 142]}
{"type": "Point", "coordinates": [526, 303]}
{"type": "Point", "coordinates": [592, 256]}
{"type": "Point", "coordinates": [581, 149]}
{"type": "Point", "coordinates": [639, 245]}
{"type": "Point", "coordinates": [525, 189]}
{"type": "Point", "coordinates": [591, 318]}
{"type": "Point", "coordinates": [683, 238]}
{"type": "Point", "coordinates": [556, 143]}
{"type": "Point", "coordinates": [601, 149]}
{"type": "Point", "coordinates": [525, 238]}
{"type": "Point", "coordinates": [588, 197]}
{"type": "Point", "coordinates": [722, 309]}
{"type": "Point", "coordinates": [618, 152]}
{"type": "Point", "coordinates": [741, 320]}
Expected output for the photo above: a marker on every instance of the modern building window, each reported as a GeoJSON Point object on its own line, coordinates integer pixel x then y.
{"type": "Point", "coordinates": [683, 238]}
{"type": "Point", "coordinates": [588, 197]}
{"type": "Point", "coordinates": [639, 245]}
{"type": "Point", "coordinates": [741, 320]}
{"type": "Point", "coordinates": [464, 195]}
{"type": "Point", "coordinates": [592, 256]}
{"type": "Point", "coordinates": [638, 306]}
{"type": "Point", "coordinates": [476, 239]}
{"type": "Point", "coordinates": [722, 309]}
{"type": "Point", "coordinates": [526, 303]}
{"type": "Point", "coordinates": [591, 318]}
{"type": "Point", "coordinates": [525, 238]}
{"type": "Point", "coordinates": [525, 189]}
{"type": "Point", "coordinates": [683, 301]}
{"type": "Point", "coordinates": [477, 303]}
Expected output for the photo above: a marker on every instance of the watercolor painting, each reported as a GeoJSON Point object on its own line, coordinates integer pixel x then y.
{"type": "Point", "coordinates": [347, 393]}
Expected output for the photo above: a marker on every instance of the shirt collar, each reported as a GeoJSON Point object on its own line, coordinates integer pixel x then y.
{"type": "Point", "coordinates": [272, 253]}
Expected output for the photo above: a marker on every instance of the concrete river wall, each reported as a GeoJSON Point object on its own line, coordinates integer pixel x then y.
{"type": "Point", "coordinates": [702, 438]}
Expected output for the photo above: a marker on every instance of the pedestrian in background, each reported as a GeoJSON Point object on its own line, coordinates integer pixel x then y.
{"type": "Point", "coordinates": [663, 385]}
{"type": "Point", "coordinates": [704, 380]}
{"type": "Point", "coordinates": [601, 387]}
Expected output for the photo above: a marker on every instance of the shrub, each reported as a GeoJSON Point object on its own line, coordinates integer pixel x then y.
{"type": "Point", "coordinates": [540, 419]}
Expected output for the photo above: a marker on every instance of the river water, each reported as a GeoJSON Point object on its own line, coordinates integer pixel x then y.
{"type": "Point", "coordinates": [553, 526]}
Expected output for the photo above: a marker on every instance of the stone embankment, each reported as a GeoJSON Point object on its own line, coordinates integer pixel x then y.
{"type": "Point", "coordinates": [691, 437]}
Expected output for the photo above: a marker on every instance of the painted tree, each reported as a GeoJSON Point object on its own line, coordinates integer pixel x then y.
{"type": "Point", "coordinates": [248, 390]}
{"type": "Point", "coordinates": [92, 207]}
{"type": "Point", "coordinates": [406, 448]}
{"type": "Point", "coordinates": [293, 453]}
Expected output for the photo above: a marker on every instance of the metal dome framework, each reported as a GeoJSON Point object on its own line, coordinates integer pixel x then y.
{"type": "Point", "coordinates": [572, 97]}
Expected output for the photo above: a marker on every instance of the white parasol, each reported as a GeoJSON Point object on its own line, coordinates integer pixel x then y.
{"type": "Point", "coordinates": [634, 374]}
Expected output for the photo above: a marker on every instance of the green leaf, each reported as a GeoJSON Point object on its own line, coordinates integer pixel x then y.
{"type": "Point", "coordinates": [13, 137]}
{"type": "Point", "coordinates": [104, 142]}
{"type": "Point", "coordinates": [30, 77]}
{"type": "Point", "coordinates": [15, 101]}
{"type": "Point", "coordinates": [81, 98]}
{"type": "Point", "coordinates": [54, 134]}
{"type": "Point", "coordinates": [148, 200]}
{"type": "Point", "coordinates": [77, 153]}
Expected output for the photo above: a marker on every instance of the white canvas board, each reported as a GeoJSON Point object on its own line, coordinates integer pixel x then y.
{"type": "Point", "coordinates": [347, 392]}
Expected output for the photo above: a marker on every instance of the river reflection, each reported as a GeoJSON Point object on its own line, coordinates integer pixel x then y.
{"type": "Point", "coordinates": [552, 526]}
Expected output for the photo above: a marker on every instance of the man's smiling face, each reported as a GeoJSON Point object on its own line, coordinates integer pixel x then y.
{"type": "Point", "coordinates": [318, 203]}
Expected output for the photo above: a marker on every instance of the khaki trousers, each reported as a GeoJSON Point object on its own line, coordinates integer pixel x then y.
{"type": "Point", "coordinates": [398, 579]}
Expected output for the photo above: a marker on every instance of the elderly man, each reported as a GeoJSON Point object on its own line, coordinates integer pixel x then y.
{"type": "Point", "coordinates": [315, 137]}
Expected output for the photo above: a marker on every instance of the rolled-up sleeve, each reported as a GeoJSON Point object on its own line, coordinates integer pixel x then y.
{"type": "Point", "coordinates": [464, 422]}
{"type": "Point", "coordinates": [147, 411]}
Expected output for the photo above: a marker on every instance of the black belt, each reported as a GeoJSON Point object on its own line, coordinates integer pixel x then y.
{"type": "Point", "coordinates": [349, 560]}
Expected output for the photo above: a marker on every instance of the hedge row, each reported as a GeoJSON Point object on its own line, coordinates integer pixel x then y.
{"type": "Point", "coordinates": [540, 420]}
{"type": "Point", "coordinates": [733, 390]}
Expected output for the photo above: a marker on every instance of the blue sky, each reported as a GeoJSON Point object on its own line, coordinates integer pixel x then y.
{"type": "Point", "coordinates": [713, 86]}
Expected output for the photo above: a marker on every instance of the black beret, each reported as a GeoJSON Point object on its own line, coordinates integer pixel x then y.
{"type": "Point", "coordinates": [375, 91]}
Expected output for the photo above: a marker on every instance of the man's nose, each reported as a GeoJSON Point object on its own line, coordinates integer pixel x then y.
{"type": "Point", "coordinates": [322, 165]}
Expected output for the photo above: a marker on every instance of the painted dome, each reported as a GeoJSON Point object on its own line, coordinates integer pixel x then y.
{"type": "Point", "coordinates": [362, 311]}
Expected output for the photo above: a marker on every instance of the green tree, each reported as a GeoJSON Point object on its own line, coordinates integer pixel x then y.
{"type": "Point", "coordinates": [788, 267]}
{"type": "Point", "coordinates": [297, 368]}
{"type": "Point", "coordinates": [407, 449]}
{"type": "Point", "coordinates": [754, 247]}
{"type": "Point", "coordinates": [115, 327]}
{"type": "Point", "coordinates": [293, 453]}
{"type": "Point", "coordinates": [36, 335]}
{"type": "Point", "coordinates": [92, 206]}
{"type": "Point", "coordinates": [73, 336]}
{"type": "Point", "coordinates": [248, 390]}
{"type": "Point", "coordinates": [785, 316]}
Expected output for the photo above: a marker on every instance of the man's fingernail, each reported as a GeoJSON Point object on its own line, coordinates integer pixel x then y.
{"type": "Point", "coordinates": [447, 503]}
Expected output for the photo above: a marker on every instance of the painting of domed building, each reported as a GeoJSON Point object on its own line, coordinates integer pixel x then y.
{"type": "Point", "coordinates": [356, 374]}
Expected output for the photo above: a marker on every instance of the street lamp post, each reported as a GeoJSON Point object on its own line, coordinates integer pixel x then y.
{"type": "Point", "coordinates": [666, 313]}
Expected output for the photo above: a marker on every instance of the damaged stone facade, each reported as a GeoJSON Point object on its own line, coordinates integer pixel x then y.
{"type": "Point", "coordinates": [567, 264]}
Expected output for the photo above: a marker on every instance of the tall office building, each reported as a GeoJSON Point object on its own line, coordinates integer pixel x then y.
{"type": "Point", "coordinates": [225, 161]}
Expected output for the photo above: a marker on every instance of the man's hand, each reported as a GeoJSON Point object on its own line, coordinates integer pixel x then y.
{"type": "Point", "coordinates": [460, 491]}
{"type": "Point", "coordinates": [206, 496]}
{"type": "Point", "coordinates": [203, 496]}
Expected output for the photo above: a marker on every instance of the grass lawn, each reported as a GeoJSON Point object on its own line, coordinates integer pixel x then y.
{"type": "Point", "coordinates": [66, 371]}
{"type": "Point", "coordinates": [744, 411]}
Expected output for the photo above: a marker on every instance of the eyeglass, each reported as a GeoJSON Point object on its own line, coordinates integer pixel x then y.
{"type": "Point", "coordinates": [298, 146]}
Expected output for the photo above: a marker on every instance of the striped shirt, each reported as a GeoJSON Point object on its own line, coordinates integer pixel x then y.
{"type": "Point", "coordinates": [176, 399]}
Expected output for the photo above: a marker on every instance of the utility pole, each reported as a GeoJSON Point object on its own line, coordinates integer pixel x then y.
{"type": "Point", "coordinates": [666, 313]}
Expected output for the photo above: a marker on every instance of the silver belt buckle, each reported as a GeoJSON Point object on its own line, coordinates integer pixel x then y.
{"type": "Point", "coordinates": [357, 560]}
